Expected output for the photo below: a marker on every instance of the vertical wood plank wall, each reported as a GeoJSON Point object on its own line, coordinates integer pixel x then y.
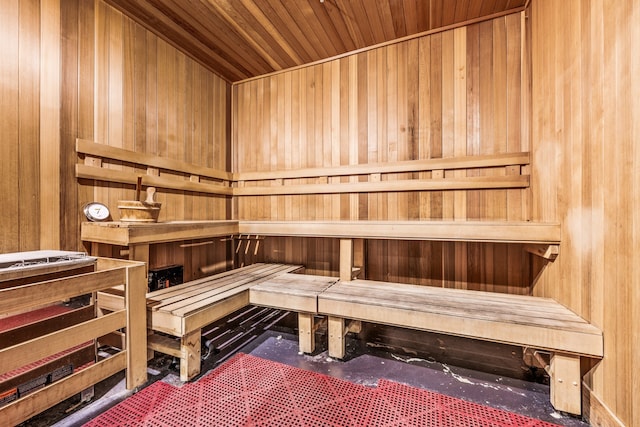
{"type": "Point", "coordinates": [453, 93]}
{"type": "Point", "coordinates": [585, 133]}
{"type": "Point", "coordinates": [118, 84]}
{"type": "Point", "coordinates": [133, 90]}
{"type": "Point", "coordinates": [20, 124]}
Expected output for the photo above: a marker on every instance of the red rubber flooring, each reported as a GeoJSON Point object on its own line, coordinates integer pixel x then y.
{"type": "Point", "coordinates": [251, 391]}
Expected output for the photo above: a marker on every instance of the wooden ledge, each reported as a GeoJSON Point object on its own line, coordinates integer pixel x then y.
{"type": "Point", "coordinates": [531, 233]}
{"type": "Point", "coordinates": [467, 231]}
{"type": "Point", "coordinates": [126, 233]}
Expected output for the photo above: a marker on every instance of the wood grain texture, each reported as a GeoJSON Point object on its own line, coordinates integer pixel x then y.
{"type": "Point", "coordinates": [128, 89]}
{"type": "Point", "coordinates": [78, 332]}
{"type": "Point", "coordinates": [443, 95]}
{"type": "Point", "coordinates": [518, 319]}
{"type": "Point", "coordinates": [9, 47]}
{"type": "Point", "coordinates": [585, 97]}
{"type": "Point", "coordinates": [399, 126]}
{"type": "Point", "coordinates": [248, 38]}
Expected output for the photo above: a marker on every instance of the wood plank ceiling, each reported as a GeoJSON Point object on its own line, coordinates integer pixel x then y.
{"type": "Point", "coordinates": [239, 39]}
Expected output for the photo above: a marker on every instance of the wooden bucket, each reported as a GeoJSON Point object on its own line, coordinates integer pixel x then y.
{"type": "Point", "coordinates": [135, 211]}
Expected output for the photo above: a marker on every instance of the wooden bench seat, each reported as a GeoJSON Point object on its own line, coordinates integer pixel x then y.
{"type": "Point", "coordinates": [182, 310]}
{"type": "Point", "coordinates": [294, 292]}
{"type": "Point", "coordinates": [531, 322]}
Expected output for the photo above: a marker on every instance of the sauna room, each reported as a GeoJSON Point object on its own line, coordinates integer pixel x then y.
{"type": "Point", "coordinates": [319, 212]}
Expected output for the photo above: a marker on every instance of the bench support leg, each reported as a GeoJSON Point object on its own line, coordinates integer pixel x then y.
{"type": "Point", "coordinates": [566, 383]}
{"type": "Point", "coordinates": [335, 328]}
{"type": "Point", "coordinates": [306, 333]}
{"type": "Point", "coordinates": [190, 355]}
{"type": "Point", "coordinates": [337, 332]}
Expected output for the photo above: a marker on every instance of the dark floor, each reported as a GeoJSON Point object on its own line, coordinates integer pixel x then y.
{"type": "Point", "coordinates": [438, 363]}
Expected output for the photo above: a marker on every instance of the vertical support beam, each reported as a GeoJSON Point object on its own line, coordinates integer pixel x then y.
{"type": "Point", "coordinates": [346, 259]}
{"type": "Point", "coordinates": [306, 333]}
{"type": "Point", "coordinates": [566, 383]}
{"type": "Point", "coordinates": [359, 257]}
{"type": "Point", "coordinates": [136, 336]}
{"type": "Point", "coordinates": [140, 252]}
{"type": "Point", "coordinates": [336, 337]}
{"type": "Point", "coordinates": [190, 355]}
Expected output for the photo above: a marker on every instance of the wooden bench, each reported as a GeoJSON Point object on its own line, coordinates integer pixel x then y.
{"type": "Point", "coordinates": [181, 311]}
{"type": "Point", "coordinates": [531, 322]}
{"type": "Point", "coordinates": [294, 292]}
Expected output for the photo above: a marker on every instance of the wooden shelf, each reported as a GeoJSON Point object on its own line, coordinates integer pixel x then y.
{"type": "Point", "coordinates": [467, 231]}
{"type": "Point", "coordinates": [131, 233]}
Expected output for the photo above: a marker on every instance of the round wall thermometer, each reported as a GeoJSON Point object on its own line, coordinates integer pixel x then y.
{"type": "Point", "coordinates": [95, 211]}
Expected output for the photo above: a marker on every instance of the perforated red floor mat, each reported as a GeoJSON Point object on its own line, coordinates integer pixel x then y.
{"type": "Point", "coordinates": [250, 391]}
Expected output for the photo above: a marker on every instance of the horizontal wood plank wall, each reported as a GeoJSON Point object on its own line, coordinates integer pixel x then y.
{"type": "Point", "coordinates": [454, 93]}
{"type": "Point", "coordinates": [586, 174]}
{"type": "Point", "coordinates": [20, 125]}
{"type": "Point", "coordinates": [125, 87]}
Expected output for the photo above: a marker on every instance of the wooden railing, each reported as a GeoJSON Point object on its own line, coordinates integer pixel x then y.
{"type": "Point", "coordinates": [129, 275]}
{"type": "Point", "coordinates": [194, 178]}
{"type": "Point", "coordinates": [372, 178]}
{"type": "Point", "coordinates": [425, 175]}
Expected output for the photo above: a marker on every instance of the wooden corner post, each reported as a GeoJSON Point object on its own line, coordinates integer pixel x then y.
{"type": "Point", "coordinates": [136, 336]}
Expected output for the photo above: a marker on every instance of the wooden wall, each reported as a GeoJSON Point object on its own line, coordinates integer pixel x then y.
{"type": "Point", "coordinates": [20, 124]}
{"type": "Point", "coordinates": [137, 92]}
{"type": "Point", "coordinates": [586, 170]}
{"type": "Point", "coordinates": [128, 88]}
{"type": "Point", "coordinates": [495, 267]}
{"type": "Point", "coordinates": [452, 93]}
{"type": "Point", "coordinates": [80, 69]}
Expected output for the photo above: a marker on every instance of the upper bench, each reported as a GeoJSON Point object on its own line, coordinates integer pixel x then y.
{"type": "Point", "coordinates": [468, 231]}
{"type": "Point", "coordinates": [122, 233]}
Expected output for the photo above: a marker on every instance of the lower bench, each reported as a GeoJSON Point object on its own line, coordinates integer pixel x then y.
{"type": "Point", "coordinates": [181, 311]}
{"type": "Point", "coordinates": [294, 292]}
{"type": "Point", "coordinates": [531, 322]}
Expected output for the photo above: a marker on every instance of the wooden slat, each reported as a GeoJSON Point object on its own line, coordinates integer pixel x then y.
{"type": "Point", "coordinates": [9, 150]}
{"type": "Point", "coordinates": [38, 294]}
{"type": "Point", "coordinates": [50, 144]}
{"type": "Point", "coordinates": [471, 231]}
{"type": "Point", "coordinates": [211, 291]}
{"type": "Point", "coordinates": [461, 183]}
{"type": "Point", "coordinates": [214, 281]}
{"type": "Point", "coordinates": [33, 350]}
{"type": "Point", "coordinates": [193, 306]}
{"type": "Point", "coordinates": [164, 345]}
{"type": "Point", "coordinates": [108, 152]}
{"type": "Point", "coordinates": [40, 400]}
{"type": "Point", "coordinates": [29, 195]}
{"type": "Point", "coordinates": [124, 177]}
{"type": "Point", "coordinates": [32, 330]}
{"type": "Point", "coordinates": [213, 312]}
{"type": "Point", "coordinates": [198, 307]}
{"type": "Point", "coordinates": [450, 163]}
